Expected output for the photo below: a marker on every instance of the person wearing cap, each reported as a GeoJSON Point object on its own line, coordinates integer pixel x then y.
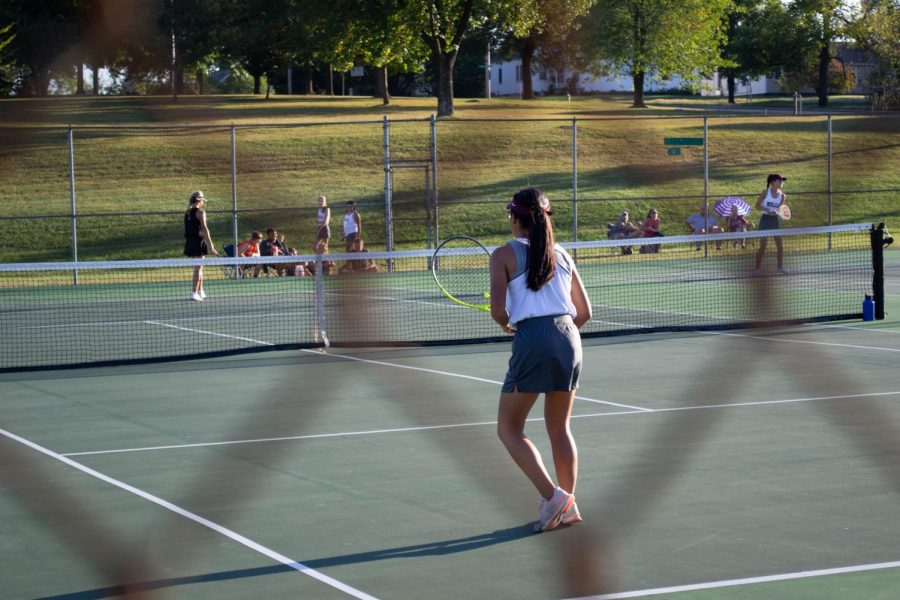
{"type": "Point", "coordinates": [622, 229]}
{"type": "Point", "coordinates": [769, 201]}
{"type": "Point", "coordinates": [537, 294]}
{"type": "Point", "coordinates": [197, 241]}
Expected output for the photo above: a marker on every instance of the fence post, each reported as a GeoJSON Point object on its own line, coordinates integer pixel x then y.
{"type": "Point", "coordinates": [574, 180]}
{"type": "Point", "coordinates": [388, 185]}
{"type": "Point", "coordinates": [830, 197]}
{"type": "Point", "coordinates": [706, 173]}
{"type": "Point", "coordinates": [434, 181]}
{"type": "Point", "coordinates": [234, 212]}
{"type": "Point", "coordinates": [72, 212]}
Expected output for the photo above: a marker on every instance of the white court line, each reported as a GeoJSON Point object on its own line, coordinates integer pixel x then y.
{"type": "Point", "coordinates": [861, 328]}
{"type": "Point", "coordinates": [293, 564]}
{"type": "Point", "coordinates": [461, 376]}
{"type": "Point", "coordinates": [744, 581]}
{"type": "Point", "coordinates": [233, 337]}
{"type": "Point", "coordinates": [788, 341]}
{"type": "Point", "coordinates": [474, 424]}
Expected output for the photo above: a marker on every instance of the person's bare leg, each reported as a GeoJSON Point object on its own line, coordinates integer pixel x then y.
{"type": "Point", "coordinates": [779, 251]}
{"type": "Point", "coordinates": [557, 412]}
{"type": "Point", "coordinates": [762, 250]}
{"type": "Point", "coordinates": [512, 413]}
{"type": "Point", "coordinates": [197, 280]}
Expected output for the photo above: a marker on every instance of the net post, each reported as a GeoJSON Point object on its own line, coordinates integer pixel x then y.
{"type": "Point", "coordinates": [320, 335]}
{"type": "Point", "coordinates": [877, 238]}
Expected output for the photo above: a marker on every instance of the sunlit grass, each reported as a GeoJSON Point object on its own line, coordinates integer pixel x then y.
{"type": "Point", "coordinates": [485, 153]}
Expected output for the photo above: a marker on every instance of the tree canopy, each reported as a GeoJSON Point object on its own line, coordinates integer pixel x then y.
{"type": "Point", "coordinates": [154, 46]}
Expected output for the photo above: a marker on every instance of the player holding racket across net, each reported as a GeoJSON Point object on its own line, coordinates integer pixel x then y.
{"type": "Point", "coordinates": [773, 202]}
{"type": "Point", "coordinates": [536, 293]}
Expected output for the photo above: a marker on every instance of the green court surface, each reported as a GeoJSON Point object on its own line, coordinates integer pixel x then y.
{"type": "Point", "coordinates": [717, 465]}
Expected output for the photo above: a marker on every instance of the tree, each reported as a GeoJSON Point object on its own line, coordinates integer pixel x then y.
{"type": "Point", "coordinates": [540, 24]}
{"type": "Point", "coordinates": [816, 27]}
{"type": "Point", "coordinates": [752, 42]}
{"type": "Point", "coordinates": [657, 37]}
{"type": "Point", "coordinates": [383, 37]}
{"type": "Point", "coordinates": [259, 34]}
{"type": "Point", "coordinates": [877, 29]}
{"type": "Point", "coordinates": [43, 30]}
{"type": "Point", "coordinates": [6, 60]}
{"type": "Point", "coordinates": [442, 25]}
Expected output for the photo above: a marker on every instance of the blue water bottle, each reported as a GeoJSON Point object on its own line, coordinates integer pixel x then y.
{"type": "Point", "coordinates": [868, 308]}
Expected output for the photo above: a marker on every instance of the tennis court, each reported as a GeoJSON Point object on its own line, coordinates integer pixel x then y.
{"type": "Point", "coordinates": [757, 463]}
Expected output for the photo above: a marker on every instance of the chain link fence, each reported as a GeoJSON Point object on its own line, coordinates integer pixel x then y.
{"type": "Point", "coordinates": [110, 193]}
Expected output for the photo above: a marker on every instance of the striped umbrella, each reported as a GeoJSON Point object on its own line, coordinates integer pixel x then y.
{"type": "Point", "coordinates": [723, 206]}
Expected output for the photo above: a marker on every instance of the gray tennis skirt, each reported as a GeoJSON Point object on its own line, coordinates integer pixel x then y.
{"type": "Point", "coordinates": [546, 356]}
{"type": "Point", "coordinates": [769, 222]}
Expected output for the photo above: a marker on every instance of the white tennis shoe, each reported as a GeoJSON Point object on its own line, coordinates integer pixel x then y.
{"type": "Point", "coordinates": [202, 295]}
{"type": "Point", "coordinates": [196, 297]}
{"type": "Point", "coordinates": [551, 511]}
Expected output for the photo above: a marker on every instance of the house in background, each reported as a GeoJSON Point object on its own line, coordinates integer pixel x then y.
{"type": "Point", "coordinates": [506, 80]}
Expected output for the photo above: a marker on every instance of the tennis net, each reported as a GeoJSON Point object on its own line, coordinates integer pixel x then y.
{"type": "Point", "coordinates": [95, 313]}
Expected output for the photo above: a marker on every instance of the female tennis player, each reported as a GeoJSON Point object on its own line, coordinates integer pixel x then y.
{"type": "Point", "coordinates": [537, 293]}
{"type": "Point", "coordinates": [769, 201]}
{"type": "Point", "coordinates": [197, 241]}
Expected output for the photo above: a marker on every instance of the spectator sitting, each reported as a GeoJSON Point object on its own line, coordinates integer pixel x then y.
{"type": "Point", "coordinates": [320, 247]}
{"type": "Point", "coordinates": [366, 265]}
{"type": "Point", "coordinates": [297, 268]}
{"type": "Point", "coordinates": [622, 229]}
{"type": "Point", "coordinates": [737, 223]}
{"type": "Point", "coordinates": [701, 223]}
{"type": "Point", "coordinates": [272, 246]}
{"type": "Point", "coordinates": [650, 228]}
{"type": "Point", "coordinates": [250, 247]}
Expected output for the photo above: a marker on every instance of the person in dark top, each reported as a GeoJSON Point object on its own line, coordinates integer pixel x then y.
{"type": "Point", "coordinates": [273, 246]}
{"type": "Point", "coordinates": [197, 241]}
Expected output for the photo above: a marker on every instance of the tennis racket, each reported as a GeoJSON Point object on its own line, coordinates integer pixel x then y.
{"type": "Point", "coordinates": [460, 267]}
{"type": "Point", "coordinates": [784, 212]}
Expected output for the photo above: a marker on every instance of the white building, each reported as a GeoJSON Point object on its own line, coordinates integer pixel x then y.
{"type": "Point", "coordinates": [506, 80]}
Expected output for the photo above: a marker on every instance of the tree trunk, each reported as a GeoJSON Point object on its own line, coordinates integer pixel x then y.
{"type": "Point", "coordinates": [822, 88]}
{"type": "Point", "coordinates": [96, 79]}
{"type": "Point", "coordinates": [79, 78]}
{"type": "Point", "coordinates": [444, 63]}
{"type": "Point", "coordinates": [310, 89]}
{"type": "Point", "coordinates": [381, 82]}
{"type": "Point", "coordinates": [257, 83]}
{"type": "Point", "coordinates": [201, 81]}
{"type": "Point", "coordinates": [528, 48]}
{"type": "Point", "coordinates": [330, 80]}
{"type": "Point", "coordinates": [730, 80]}
{"type": "Point", "coordinates": [179, 79]}
{"type": "Point", "coordinates": [638, 79]}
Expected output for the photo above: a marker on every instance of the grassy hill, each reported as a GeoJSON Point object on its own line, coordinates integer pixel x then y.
{"type": "Point", "coordinates": [137, 160]}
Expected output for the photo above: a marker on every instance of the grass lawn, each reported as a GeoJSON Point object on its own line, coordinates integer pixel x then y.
{"type": "Point", "coordinates": [132, 183]}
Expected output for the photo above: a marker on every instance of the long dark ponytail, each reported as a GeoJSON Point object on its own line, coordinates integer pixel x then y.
{"type": "Point", "coordinates": [532, 208]}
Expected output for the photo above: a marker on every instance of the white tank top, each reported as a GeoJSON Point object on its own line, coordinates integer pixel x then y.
{"type": "Point", "coordinates": [321, 215]}
{"type": "Point", "coordinates": [554, 297]}
{"type": "Point", "coordinates": [771, 203]}
{"type": "Point", "coordinates": [350, 224]}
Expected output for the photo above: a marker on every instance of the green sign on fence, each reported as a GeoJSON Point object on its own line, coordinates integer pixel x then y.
{"type": "Point", "coordinates": [673, 141]}
{"type": "Point", "coordinates": [673, 151]}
